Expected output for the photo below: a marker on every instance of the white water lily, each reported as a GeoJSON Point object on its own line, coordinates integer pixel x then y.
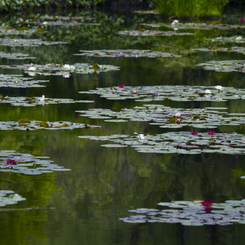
{"type": "Point", "coordinates": [178, 114]}
{"type": "Point", "coordinates": [207, 91]}
{"type": "Point", "coordinates": [141, 136]}
{"type": "Point", "coordinates": [219, 88]}
{"type": "Point", "coordinates": [42, 98]}
{"type": "Point", "coordinates": [69, 67]}
{"type": "Point", "coordinates": [32, 68]}
{"type": "Point", "coordinates": [175, 22]}
{"type": "Point", "coordinates": [66, 75]}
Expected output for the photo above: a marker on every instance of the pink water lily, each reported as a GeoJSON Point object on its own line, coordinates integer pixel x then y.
{"type": "Point", "coordinates": [121, 86]}
{"type": "Point", "coordinates": [194, 132]}
{"type": "Point", "coordinates": [207, 203]}
{"type": "Point", "coordinates": [11, 161]}
{"type": "Point", "coordinates": [242, 19]}
{"type": "Point", "coordinates": [211, 132]}
{"type": "Point", "coordinates": [178, 114]}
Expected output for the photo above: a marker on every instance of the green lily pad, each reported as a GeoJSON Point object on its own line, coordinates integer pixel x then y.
{"type": "Point", "coordinates": [62, 70]}
{"type": "Point", "coordinates": [128, 53]}
{"type": "Point", "coordinates": [18, 42]}
{"type": "Point", "coordinates": [147, 33]}
{"type": "Point", "coordinates": [171, 92]}
{"type": "Point", "coordinates": [26, 163]}
{"type": "Point", "coordinates": [200, 26]}
{"type": "Point", "coordinates": [15, 56]}
{"type": "Point", "coordinates": [34, 101]}
{"type": "Point", "coordinates": [189, 213]}
{"type": "Point", "coordinates": [233, 39]}
{"type": "Point", "coordinates": [18, 81]}
{"type": "Point", "coordinates": [8, 197]}
{"type": "Point", "coordinates": [181, 142]}
{"type": "Point", "coordinates": [220, 49]}
{"type": "Point", "coordinates": [224, 66]}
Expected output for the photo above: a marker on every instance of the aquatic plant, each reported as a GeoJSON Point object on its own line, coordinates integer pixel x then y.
{"type": "Point", "coordinates": [188, 213]}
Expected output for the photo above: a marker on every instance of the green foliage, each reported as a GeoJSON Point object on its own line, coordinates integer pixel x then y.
{"type": "Point", "coordinates": [187, 8]}
{"type": "Point", "coordinates": [10, 5]}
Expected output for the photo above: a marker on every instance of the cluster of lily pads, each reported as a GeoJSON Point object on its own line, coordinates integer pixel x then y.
{"type": "Point", "coordinates": [178, 142]}
{"type": "Point", "coordinates": [224, 66]}
{"type": "Point", "coordinates": [126, 53]}
{"type": "Point", "coordinates": [26, 124]}
{"type": "Point", "coordinates": [62, 70]}
{"type": "Point", "coordinates": [35, 101]}
{"type": "Point", "coordinates": [15, 56]}
{"type": "Point", "coordinates": [23, 163]}
{"type": "Point", "coordinates": [164, 116]}
{"type": "Point", "coordinates": [19, 81]}
{"type": "Point", "coordinates": [190, 213]}
{"type": "Point", "coordinates": [200, 26]}
{"type": "Point", "coordinates": [145, 33]}
{"type": "Point", "coordinates": [8, 197]}
{"type": "Point", "coordinates": [171, 92]}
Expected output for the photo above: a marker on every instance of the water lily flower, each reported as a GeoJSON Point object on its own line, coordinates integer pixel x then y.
{"type": "Point", "coordinates": [42, 98]}
{"type": "Point", "coordinates": [194, 132]}
{"type": "Point", "coordinates": [66, 75]}
{"type": "Point", "coordinates": [69, 67]}
{"type": "Point", "coordinates": [121, 86]}
{"type": "Point", "coordinates": [219, 88]}
{"type": "Point", "coordinates": [242, 19]}
{"type": "Point", "coordinates": [178, 114]}
{"type": "Point", "coordinates": [238, 38]}
{"type": "Point", "coordinates": [207, 91]}
{"type": "Point", "coordinates": [211, 132]}
{"type": "Point", "coordinates": [32, 68]}
{"type": "Point", "coordinates": [175, 22]}
{"type": "Point", "coordinates": [207, 204]}
{"type": "Point", "coordinates": [141, 136]}
{"type": "Point", "coordinates": [11, 161]}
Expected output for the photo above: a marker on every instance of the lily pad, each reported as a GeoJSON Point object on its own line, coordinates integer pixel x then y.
{"type": "Point", "coordinates": [34, 101]}
{"type": "Point", "coordinates": [199, 26]}
{"type": "Point", "coordinates": [8, 197]}
{"type": "Point", "coordinates": [39, 125]}
{"type": "Point", "coordinates": [18, 81]}
{"type": "Point", "coordinates": [191, 213]}
{"type": "Point", "coordinates": [165, 117]}
{"type": "Point", "coordinates": [224, 66]}
{"type": "Point", "coordinates": [18, 42]}
{"type": "Point", "coordinates": [147, 33]}
{"type": "Point", "coordinates": [15, 56]}
{"type": "Point", "coordinates": [233, 39]}
{"type": "Point", "coordinates": [181, 142]}
{"type": "Point", "coordinates": [27, 163]}
{"type": "Point", "coordinates": [62, 70]}
{"type": "Point", "coordinates": [220, 49]}
{"type": "Point", "coordinates": [20, 31]}
{"type": "Point", "coordinates": [128, 53]}
{"type": "Point", "coordinates": [171, 92]}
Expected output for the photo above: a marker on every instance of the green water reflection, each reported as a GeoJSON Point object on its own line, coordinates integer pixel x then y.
{"type": "Point", "coordinates": [83, 206]}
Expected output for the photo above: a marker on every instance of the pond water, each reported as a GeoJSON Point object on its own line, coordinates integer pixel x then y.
{"type": "Point", "coordinates": [66, 184]}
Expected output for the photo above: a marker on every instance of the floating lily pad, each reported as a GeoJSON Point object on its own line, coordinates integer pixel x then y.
{"type": "Point", "coordinates": [18, 81]}
{"type": "Point", "coordinates": [34, 101]}
{"type": "Point", "coordinates": [180, 142]}
{"type": "Point", "coordinates": [27, 163]}
{"type": "Point", "coordinates": [199, 26]}
{"type": "Point", "coordinates": [191, 213]}
{"type": "Point", "coordinates": [233, 39]}
{"type": "Point", "coordinates": [129, 53]}
{"type": "Point", "coordinates": [62, 70]}
{"type": "Point", "coordinates": [8, 197]}
{"type": "Point", "coordinates": [18, 42]}
{"type": "Point", "coordinates": [20, 31]}
{"type": "Point", "coordinates": [15, 56]}
{"type": "Point", "coordinates": [72, 23]}
{"type": "Point", "coordinates": [172, 92]}
{"type": "Point", "coordinates": [220, 49]}
{"type": "Point", "coordinates": [164, 116]}
{"type": "Point", "coordinates": [224, 66]}
{"type": "Point", "coordinates": [145, 33]}
{"type": "Point", "coordinates": [38, 125]}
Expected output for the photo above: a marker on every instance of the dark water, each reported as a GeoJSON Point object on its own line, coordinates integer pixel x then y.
{"type": "Point", "coordinates": [84, 205]}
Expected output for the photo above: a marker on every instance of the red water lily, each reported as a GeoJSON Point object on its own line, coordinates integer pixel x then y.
{"type": "Point", "coordinates": [11, 161]}
{"type": "Point", "coordinates": [121, 86]}
{"type": "Point", "coordinates": [211, 132]}
{"type": "Point", "coordinates": [242, 19]}
{"type": "Point", "coordinates": [207, 205]}
{"type": "Point", "coordinates": [194, 132]}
